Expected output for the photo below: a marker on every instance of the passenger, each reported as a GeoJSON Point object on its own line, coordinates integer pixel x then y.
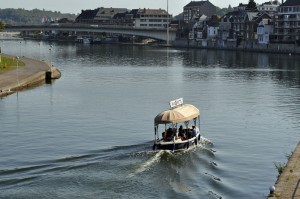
{"type": "Point", "coordinates": [193, 133]}
{"type": "Point", "coordinates": [181, 132]}
{"type": "Point", "coordinates": [169, 135]}
{"type": "Point", "coordinates": [188, 133]}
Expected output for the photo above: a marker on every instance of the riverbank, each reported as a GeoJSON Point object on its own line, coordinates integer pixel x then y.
{"type": "Point", "coordinates": [212, 44]}
{"type": "Point", "coordinates": [33, 73]}
{"type": "Point", "coordinates": [288, 183]}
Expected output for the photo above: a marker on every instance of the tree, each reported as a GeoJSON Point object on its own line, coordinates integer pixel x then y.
{"type": "Point", "coordinates": [251, 6]}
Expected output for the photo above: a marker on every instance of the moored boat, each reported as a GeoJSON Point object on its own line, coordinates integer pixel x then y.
{"type": "Point", "coordinates": [181, 127]}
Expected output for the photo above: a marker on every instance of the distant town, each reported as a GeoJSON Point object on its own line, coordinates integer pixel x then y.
{"type": "Point", "coordinates": [271, 26]}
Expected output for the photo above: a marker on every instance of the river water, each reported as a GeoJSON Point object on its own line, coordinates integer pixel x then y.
{"type": "Point", "coordinates": [90, 133]}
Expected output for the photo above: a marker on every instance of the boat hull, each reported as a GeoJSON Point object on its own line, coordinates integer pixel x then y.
{"type": "Point", "coordinates": [176, 145]}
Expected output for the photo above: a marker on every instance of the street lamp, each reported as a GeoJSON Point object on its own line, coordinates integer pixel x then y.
{"type": "Point", "coordinates": [39, 50]}
{"type": "Point", "coordinates": [18, 70]}
{"type": "Point", "coordinates": [50, 49]}
{"type": "Point", "coordinates": [168, 23]}
{"type": "Point", "coordinates": [20, 49]}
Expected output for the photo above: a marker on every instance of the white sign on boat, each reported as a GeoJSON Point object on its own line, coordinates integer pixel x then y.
{"type": "Point", "coordinates": [176, 102]}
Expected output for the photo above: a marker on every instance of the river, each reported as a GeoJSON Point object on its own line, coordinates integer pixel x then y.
{"type": "Point", "coordinates": [90, 133]}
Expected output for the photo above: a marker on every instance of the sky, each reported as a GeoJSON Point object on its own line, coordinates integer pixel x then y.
{"type": "Point", "coordinates": [75, 6]}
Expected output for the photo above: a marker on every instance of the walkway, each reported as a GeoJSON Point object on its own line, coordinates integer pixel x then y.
{"type": "Point", "coordinates": [288, 183]}
{"type": "Point", "coordinates": [32, 73]}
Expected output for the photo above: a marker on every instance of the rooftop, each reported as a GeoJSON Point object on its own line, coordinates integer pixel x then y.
{"type": "Point", "coordinates": [152, 11]}
{"type": "Point", "coordinates": [196, 3]}
{"type": "Point", "coordinates": [291, 3]}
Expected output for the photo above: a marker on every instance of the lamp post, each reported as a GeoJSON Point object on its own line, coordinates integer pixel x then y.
{"type": "Point", "coordinates": [20, 49]}
{"type": "Point", "coordinates": [18, 70]}
{"type": "Point", "coordinates": [50, 49]}
{"type": "Point", "coordinates": [168, 23]}
{"type": "Point", "coordinates": [40, 51]}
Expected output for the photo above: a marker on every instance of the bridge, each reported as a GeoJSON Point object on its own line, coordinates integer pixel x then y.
{"type": "Point", "coordinates": [155, 33]}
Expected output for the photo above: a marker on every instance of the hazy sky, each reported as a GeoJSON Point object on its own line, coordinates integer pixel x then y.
{"type": "Point", "coordinates": [75, 6]}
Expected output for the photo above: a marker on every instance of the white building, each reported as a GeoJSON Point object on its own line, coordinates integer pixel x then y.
{"type": "Point", "coordinates": [264, 30]}
{"type": "Point", "coordinates": [269, 7]}
{"type": "Point", "coordinates": [213, 25]}
{"type": "Point", "coordinates": [199, 27]}
{"type": "Point", "coordinates": [152, 18]}
{"type": "Point", "coordinates": [212, 31]}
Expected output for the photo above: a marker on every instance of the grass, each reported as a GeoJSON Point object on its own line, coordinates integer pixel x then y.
{"type": "Point", "coordinates": [279, 166]}
{"type": "Point", "coordinates": [9, 63]}
{"type": "Point", "coordinates": [287, 178]}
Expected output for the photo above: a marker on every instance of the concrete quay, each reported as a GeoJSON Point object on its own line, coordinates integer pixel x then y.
{"type": "Point", "coordinates": [33, 73]}
{"type": "Point", "coordinates": [288, 183]}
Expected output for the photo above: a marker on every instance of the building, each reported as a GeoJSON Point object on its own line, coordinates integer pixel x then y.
{"type": "Point", "coordinates": [152, 18]}
{"type": "Point", "coordinates": [269, 7]}
{"type": "Point", "coordinates": [199, 29]}
{"type": "Point", "coordinates": [250, 26]}
{"type": "Point", "coordinates": [86, 16]}
{"type": "Point", "coordinates": [124, 19]}
{"type": "Point", "coordinates": [195, 9]}
{"type": "Point", "coordinates": [225, 27]}
{"type": "Point", "coordinates": [287, 22]}
{"type": "Point", "coordinates": [139, 18]}
{"type": "Point", "coordinates": [252, 23]}
{"type": "Point", "coordinates": [101, 15]}
{"type": "Point", "coordinates": [106, 15]}
{"type": "Point", "coordinates": [240, 7]}
{"type": "Point", "coordinates": [238, 23]}
{"type": "Point", "coordinates": [213, 27]}
{"type": "Point", "coordinates": [264, 30]}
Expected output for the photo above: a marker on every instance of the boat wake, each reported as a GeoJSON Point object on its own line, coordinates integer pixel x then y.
{"type": "Point", "coordinates": [148, 163]}
{"type": "Point", "coordinates": [156, 156]}
{"type": "Point", "coordinates": [135, 159]}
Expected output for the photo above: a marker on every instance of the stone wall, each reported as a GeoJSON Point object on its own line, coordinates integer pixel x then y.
{"type": "Point", "coordinates": [243, 45]}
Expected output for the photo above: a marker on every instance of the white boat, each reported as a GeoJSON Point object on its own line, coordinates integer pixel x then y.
{"type": "Point", "coordinates": [180, 127]}
{"type": "Point", "coordinates": [97, 40]}
{"type": "Point", "coordinates": [86, 40]}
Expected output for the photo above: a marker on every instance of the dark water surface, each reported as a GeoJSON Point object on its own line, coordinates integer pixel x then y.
{"type": "Point", "coordinates": [90, 133]}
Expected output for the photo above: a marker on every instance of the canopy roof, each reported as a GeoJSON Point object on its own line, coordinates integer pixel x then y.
{"type": "Point", "coordinates": [182, 113]}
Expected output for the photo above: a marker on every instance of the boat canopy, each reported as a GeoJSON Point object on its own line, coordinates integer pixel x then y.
{"type": "Point", "coordinates": [179, 114]}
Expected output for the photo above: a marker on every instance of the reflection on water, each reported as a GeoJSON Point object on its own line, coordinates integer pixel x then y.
{"type": "Point", "coordinates": [90, 133]}
{"type": "Point", "coordinates": [233, 59]}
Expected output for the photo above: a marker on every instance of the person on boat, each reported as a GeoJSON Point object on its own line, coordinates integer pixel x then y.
{"type": "Point", "coordinates": [181, 132]}
{"type": "Point", "coordinates": [169, 134]}
{"type": "Point", "coordinates": [193, 132]}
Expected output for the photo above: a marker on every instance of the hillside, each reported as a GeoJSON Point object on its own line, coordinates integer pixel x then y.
{"type": "Point", "coordinates": [36, 16]}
